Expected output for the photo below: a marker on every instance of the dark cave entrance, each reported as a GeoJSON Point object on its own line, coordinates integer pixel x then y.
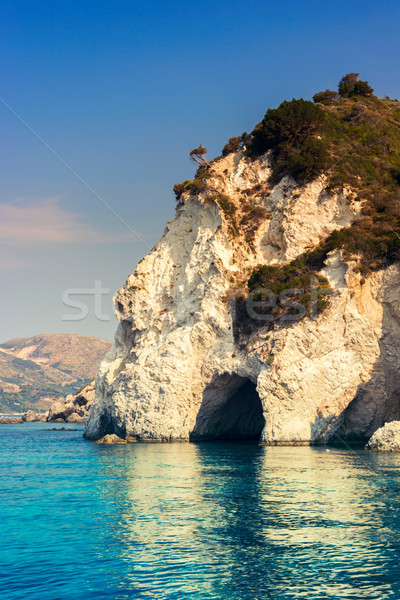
{"type": "Point", "coordinates": [231, 410]}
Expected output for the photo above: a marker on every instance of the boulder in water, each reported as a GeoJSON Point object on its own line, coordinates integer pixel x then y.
{"type": "Point", "coordinates": [10, 420]}
{"type": "Point", "coordinates": [31, 417]}
{"type": "Point", "coordinates": [386, 439]}
{"type": "Point", "coordinates": [111, 438]}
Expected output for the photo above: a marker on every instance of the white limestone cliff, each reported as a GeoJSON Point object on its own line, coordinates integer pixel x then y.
{"type": "Point", "coordinates": [178, 372]}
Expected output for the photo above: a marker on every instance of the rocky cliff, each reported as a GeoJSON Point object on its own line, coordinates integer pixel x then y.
{"type": "Point", "coordinates": [192, 361]}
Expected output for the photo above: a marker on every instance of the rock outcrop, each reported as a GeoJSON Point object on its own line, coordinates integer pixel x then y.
{"type": "Point", "coordinates": [4, 420]}
{"type": "Point", "coordinates": [32, 417]}
{"type": "Point", "coordinates": [111, 438]}
{"type": "Point", "coordinates": [179, 370]}
{"type": "Point", "coordinates": [386, 439]}
{"type": "Point", "coordinates": [75, 409]}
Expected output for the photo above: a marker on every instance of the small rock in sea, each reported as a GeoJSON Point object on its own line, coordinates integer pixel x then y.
{"type": "Point", "coordinates": [29, 416]}
{"type": "Point", "coordinates": [10, 420]}
{"type": "Point", "coordinates": [111, 438]}
{"type": "Point", "coordinates": [61, 429]}
{"type": "Point", "coordinates": [32, 417]}
{"type": "Point", "coordinates": [386, 439]}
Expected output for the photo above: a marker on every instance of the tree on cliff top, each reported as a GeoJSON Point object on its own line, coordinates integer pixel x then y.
{"type": "Point", "coordinates": [198, 155]}
{"type": "Point", "coordinates": [290, 132]}
{"type": "Point", "coordinates": [291, 122]}
{"type": "Point", "coordinates": [350, 85]}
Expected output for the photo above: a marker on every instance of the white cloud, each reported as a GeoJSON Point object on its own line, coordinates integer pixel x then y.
{"type": "Point", "coordinates": [26, 222]}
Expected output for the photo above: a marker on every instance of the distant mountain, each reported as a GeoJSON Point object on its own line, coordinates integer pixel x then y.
{"type": "Point", "coordinates": [36, 371]}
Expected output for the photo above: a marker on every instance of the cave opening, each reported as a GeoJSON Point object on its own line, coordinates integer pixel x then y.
{"type": "Point", "coordinates": [231, 410]}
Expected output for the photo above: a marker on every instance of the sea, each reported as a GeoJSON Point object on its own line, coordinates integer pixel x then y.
{"type": "Point", "coordinates": [229, 521]}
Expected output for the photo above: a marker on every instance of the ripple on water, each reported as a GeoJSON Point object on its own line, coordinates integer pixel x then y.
{"type": "Point", "coordinates": [198, 521]}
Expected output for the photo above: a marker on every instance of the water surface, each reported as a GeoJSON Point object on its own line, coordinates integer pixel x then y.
{"type": "Point", "coordinates": [194, 521]}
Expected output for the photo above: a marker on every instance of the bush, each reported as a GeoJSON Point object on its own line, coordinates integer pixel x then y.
{"type": "Point", "coordinates": [291, 122]}
{"type": "Point", "coordinates": [350, 85]}
{"type": "Point", "coordinates": [179, 188]}
{"type": "Point", "coordinates": [326, 97]}
{"type": "Point", "coordinates": [362, 88]}
{"type": "Point", "coordinates": [356, 143]}
{"type": "Point", "coordinates": [226, 205]}
{"type": "Point", "coordinates": [196, 185]}
{"type": "Point", "coordinates": [298, 277]}
{"type": "Point", "coordinates": [232, 146]}
{"type": "Point", "coordinates": [304, 162]}
{"type": "Point", "coordinates": [288, 130]}
{"type": "Point", "coordinates": [253, 217]}
{"type": "Point", "coordinates": [203, 172]}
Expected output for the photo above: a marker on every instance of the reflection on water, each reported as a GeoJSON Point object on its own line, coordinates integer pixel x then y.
{"type": "Point", "coordinates": [198, 521]}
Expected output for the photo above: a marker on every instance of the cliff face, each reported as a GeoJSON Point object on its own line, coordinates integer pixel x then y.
{"type": "Point", "coordinates": [180, 370]}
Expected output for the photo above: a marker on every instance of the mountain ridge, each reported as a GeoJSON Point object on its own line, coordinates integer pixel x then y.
{"type": "Point", "coordinates": [36, 371]}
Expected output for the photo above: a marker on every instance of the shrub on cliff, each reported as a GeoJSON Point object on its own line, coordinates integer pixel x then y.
{"type": "Point", "coordinates": [190, 185]}
{"type": "Point", "coordinates": [233, 145]}
{"type": "Point", "coordinates": [291, 122]}
{"type": "Point", "coordinates": [179, 188]}
{"type": "Point", "coordinates": [304, 162]}
{"type": "Point", "coordinates": [289, 131]}
{"type": "Point", "coordinates": [282, 294]}
{"type": "Point", "coordinates": [326, 97]}
{"type": "Point", "coordinates": [350, 85]}
{"type": "Point", "coordinates": [356, 143]}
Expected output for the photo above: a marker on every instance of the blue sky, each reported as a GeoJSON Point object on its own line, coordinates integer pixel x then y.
{"type": "Point", "coordinates": [121, 92]}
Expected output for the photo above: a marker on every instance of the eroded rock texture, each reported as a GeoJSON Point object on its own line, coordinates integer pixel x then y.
{"type": "Point", "coordinates": [386, 439]}
{"type": "Point", "coordinates": [178, 372]}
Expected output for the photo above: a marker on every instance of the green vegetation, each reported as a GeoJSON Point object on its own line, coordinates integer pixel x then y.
{"type": "Point", "coordinates": [11, 402]}
{"type": "Point", "coordinates": [198, 184]}
{"type": "Point", "coordinates": [228, 207]}
{"type": "Point", "coordinates": [299, 277]}
{"type": "Point", "coordinates": [281, 295]}
{"type": "Point", "coordinates": [290, 131]}
{"type": "Point", "coordinates": [364, 139]}
{"type": "Point", "coordinates": [193, 186]}
{"type": "Point", "coordinates": [326, 97]}
{"type": "Point", "coordinates": [29, 395]}
{"type": "Point", "coordinates": [352, 137]}
{"type": "Point", "coordinates": [355, 140]}
{"type": "Point", "coordinates": [253, 216]}
{"type": "Point", "coordinates": [233, 145]}
{"type": "Point", "coordinates": [179, 188]}
{"type": "Point", "coordinates": [198, 155]}
{"type": "Point", "coordinates": [350, 85]}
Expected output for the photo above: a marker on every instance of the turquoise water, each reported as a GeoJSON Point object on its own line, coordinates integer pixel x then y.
{"type": "Point", "coordinates": [199, 521]}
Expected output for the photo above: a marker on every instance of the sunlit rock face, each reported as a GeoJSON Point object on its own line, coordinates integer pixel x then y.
{"type": "Point", "coordinates": [386, 439]}
{"type": "Point", "coordinates": [178, 372]}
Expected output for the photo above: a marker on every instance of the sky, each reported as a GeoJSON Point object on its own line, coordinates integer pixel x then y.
{"type": "Point", "coordinates": [100, 103]}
